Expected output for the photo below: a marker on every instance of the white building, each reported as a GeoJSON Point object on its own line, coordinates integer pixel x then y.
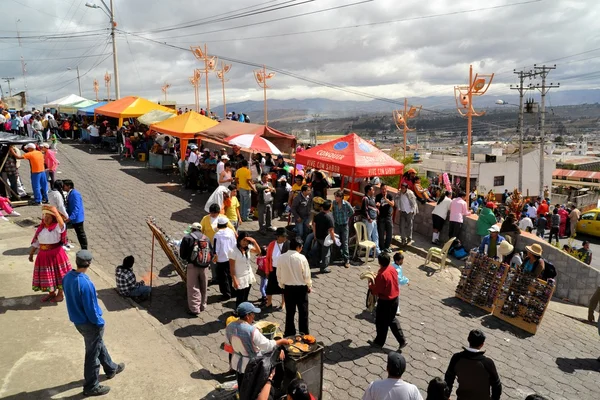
{"type": "Point", "coordinates": [492, 172]}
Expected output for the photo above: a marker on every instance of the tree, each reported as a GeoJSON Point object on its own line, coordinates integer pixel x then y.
{"type": "Point", "coordinates": [559, 139]}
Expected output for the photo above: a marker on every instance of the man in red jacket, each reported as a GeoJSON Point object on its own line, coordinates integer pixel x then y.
{"type": "Point", "coordinates": [387, 291]}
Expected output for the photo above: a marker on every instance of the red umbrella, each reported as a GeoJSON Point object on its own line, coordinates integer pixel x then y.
{"type": "Point", "coordinates": [254, 142]}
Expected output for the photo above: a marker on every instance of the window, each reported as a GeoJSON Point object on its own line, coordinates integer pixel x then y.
{"type": "Point", "coordinates": [588, 216]}
{"type": "Point", "coordinates": [499, 181]}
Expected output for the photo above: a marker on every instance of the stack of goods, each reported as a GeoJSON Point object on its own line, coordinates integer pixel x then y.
{"type": "Point", "coordinates": [481, 281]}
{"type": "Point", "coordinates": [524, 300]}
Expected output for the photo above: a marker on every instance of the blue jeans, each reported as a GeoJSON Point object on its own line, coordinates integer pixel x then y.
{"type": "Point", "coordinates": [373, 234]}
{"type": "Point", "coordinates": [308, 249]}
{"type": "Point", "coordinates": [342, 231]}
{"type": "Point", "coordinates": [244, 203]}
{"type": "Point", "coordinates": [263, 286]}
{"type": "Point", "coordinates": [140, 291]}
{"type": "Point", "coordinates": [39, 184]}
{"type": "Point", "coordinates": [95, 354]}
{"type": "Point", "coordinates": [302, 229]}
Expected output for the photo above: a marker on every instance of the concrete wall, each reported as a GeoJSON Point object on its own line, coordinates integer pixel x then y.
{"type": "Point", "coordinates": [576, 281]}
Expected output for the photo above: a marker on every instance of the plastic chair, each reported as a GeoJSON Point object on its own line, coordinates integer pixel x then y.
{"type": "Point", "coordinates": [362, 240]}
{"type": "Point", "coordinates": [442, 253]}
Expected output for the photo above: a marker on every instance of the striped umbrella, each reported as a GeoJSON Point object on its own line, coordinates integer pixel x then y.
{"type": "Point", "coordinates": [255, 143]}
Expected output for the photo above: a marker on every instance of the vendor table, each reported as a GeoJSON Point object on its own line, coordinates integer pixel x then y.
{"type": "Point", "coordinates": [310, 368]}
{"type": "Point", "coordinates": [161, 161]}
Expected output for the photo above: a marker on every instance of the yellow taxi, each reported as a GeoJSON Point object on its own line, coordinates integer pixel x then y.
{"type": "Point", "coordinates": [589, 223]}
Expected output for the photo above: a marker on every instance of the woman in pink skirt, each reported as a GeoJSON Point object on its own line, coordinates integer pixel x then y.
{"type": "Point", "coordinates": [51, 263]}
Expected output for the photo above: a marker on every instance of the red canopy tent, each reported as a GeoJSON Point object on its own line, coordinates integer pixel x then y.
{"type": "Point", "coordinates": [284, 142]}
{"type": "Point", "coordinates": [350, 156]}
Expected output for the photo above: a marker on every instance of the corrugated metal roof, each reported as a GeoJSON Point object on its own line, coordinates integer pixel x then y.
{"type": "Point", "coordinates": [569, 173]}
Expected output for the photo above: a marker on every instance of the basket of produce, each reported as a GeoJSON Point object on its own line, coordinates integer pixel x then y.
{"type": "Point", "coordinates": [268, 329]}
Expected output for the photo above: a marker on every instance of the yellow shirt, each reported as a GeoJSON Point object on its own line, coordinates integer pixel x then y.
{"type": "Point", "coordinates": [296, 187]}
{"type": "Point", "coordinates": [231, 212]}
{"type": "Point", "coordinates": [242, 175]}
{"type": "Point", "coordinates": [207, 228]}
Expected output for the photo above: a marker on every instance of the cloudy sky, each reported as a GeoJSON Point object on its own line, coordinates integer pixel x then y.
{"type": "Point", "coordinates": [386, 48]}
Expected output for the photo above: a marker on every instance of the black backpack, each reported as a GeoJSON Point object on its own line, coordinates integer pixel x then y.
{"type": "Point", "coordinates": [549, 271]}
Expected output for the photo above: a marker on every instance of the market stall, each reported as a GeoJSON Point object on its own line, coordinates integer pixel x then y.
{"type": "Point", "coordinates": [286, 143]}
{"type": "Point", "coordinates": [64, 102]}
{"type": "Point", "coordinates": [74, 108]}
{"type": "Point", "coordinates": [154, 117]}
{"type": "Point", "coordinates": [184, 127]}
{"type": "Point", "coordinates": [89, 110]}
{"type": "Point", "coordinates": [129, 107]}
{"type": "Point", "coordinates": [350, 156]}
{"type": "Point", "coordinates": [508, 294]}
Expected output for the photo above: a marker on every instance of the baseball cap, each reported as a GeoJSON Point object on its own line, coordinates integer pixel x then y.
{"type": "Point", "coordinates": [46, 145]}
{"type": "Point", "coordinates": [490, 204]}
{"type": "Point", "coordinates": [30, 146]}
{"type": "Point", "coordinates": [494, 228]}
{"type": "Point", "coordinates": [396, 364]}
{"type": "Point", "coordinates": [222, 221]}
{"type": "Point", "coordinates": [246, 308]}
{"type": "Point", "coordinates": [197, 226]}
{"type": "Point", "coordinates": [224, 157]}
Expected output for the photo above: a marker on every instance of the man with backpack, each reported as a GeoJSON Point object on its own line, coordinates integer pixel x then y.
{"type": "Point", "coordinates": [196, 249]}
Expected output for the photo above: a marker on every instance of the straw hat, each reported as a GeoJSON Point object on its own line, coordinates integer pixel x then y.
{"type": "Point", "coordinates": [534, 249]}
{"type": "Point", "coordinates": [505, 248]}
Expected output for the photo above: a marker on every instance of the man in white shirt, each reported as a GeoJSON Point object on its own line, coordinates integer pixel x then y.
{"type": "Point", "coordinates": [393, 387]}
{"type": "Point", "coordinates": [224, 242]}
{"type": "Point", "coordinates": [221, 164]}
{"type": "Point", "coordinates": [531, 211]}
{"type": "Point", "coordinates": [407, 204]}
{"type": "Point", "coordinates": [525, 224]}
{"type": "Point", "coordinates": [293, 275]}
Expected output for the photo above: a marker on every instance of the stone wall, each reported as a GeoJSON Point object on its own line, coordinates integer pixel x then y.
{"type": "Point", "coordinates": [576, 281]}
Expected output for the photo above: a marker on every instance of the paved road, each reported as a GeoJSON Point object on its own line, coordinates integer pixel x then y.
{"type": "Point", "coordinates": [558, 362]}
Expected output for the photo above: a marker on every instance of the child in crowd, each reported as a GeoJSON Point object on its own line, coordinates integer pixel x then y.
{"type": "Point", "coordinates": [126, 281]}
{"type": "Point", "coordinates": [261, 262]}
{"type": "Point", "coordinates": [541, 224]}
{"type": "Point", "coordinates": [402, 280]}
{"type": "Point", "coordinates": [5, 206]}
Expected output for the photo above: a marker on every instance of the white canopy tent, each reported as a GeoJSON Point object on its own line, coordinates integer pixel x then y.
{"type": "Point", "coordinates": [65, 101]}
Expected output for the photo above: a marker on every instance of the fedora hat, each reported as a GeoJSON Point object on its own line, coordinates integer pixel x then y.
{"type": "Point", "coordinates": [534, 249]}
{"type": "Point", "coordinates": [505, 248]}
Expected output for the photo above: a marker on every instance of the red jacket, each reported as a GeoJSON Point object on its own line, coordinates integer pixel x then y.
{"type": "Point", "coordinates": [386, 283]}
{"type": "Point", "coordinates": [543, 208]}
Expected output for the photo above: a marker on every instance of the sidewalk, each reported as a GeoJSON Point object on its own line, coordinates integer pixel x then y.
{"type": "Point", "coordinates": [42, 352]}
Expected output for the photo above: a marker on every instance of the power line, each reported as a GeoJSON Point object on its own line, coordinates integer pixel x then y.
{"type": "Point", "coordinates": [56, 59]}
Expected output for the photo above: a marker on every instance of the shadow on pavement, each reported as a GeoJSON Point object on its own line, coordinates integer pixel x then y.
{"type": "Point", "coordinates": [206, 375]}
{"type": "Point", "coordinates": [50, 392]}
{"type": "Point", "coordinates": [152, 176]}
{"type": "Point", "coordinates": [341, 351]}
{"type": "Point", "coordinates": [200, 330]}
{"type": "Point", "coordinates": [21, 251]}
{"type": "Point", "coordinates": [491, 322]}
{"type": "Point", "coordinates": [465, 310]}
{"type": "Point", "coordinates": [569, 365]}
{"type": "Point", "coordinates": [24, 303]}
{"type": "Point", "coordinates": [113, 301]}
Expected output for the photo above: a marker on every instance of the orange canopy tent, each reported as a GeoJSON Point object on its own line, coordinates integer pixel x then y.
{"type": "Point", "coordinates": [185, 127]}
{"type": "Point", "coordinates": [284, 142]}
{"type": "Point", "coordinates": [129, 107]}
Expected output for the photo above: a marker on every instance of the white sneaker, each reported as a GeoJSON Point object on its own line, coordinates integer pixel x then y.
{"type": "Point", "coordinates": [3, 218]}
{"type": "Point", "coordinates": [14, 214]}
{"type": "Point", "coordinates": [66, 248]}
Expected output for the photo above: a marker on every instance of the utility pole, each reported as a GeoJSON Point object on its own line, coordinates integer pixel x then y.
{"type": "Point", "coordinates": [210, 63]}
{"type": "Point", "coordinates": [543, 71]}
{"type": "Point", "coordinates": [113, 25]}
{"type": "Point", "coordinates": [522, 75]}
{"type": "Point", "coordinates": [8, 81]}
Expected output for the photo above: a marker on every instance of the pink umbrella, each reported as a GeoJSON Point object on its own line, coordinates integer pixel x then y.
{"type": "Point", "coordinates": [255, 143]}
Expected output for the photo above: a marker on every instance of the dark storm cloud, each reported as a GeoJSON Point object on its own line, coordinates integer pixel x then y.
{"type": "Point", "coordinates": [412, 58]}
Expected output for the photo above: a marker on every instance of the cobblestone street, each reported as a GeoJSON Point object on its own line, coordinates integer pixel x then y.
{"type": "Point", "coordinates": [558, 362]}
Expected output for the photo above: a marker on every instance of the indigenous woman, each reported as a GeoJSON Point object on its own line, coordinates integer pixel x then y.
{"type": "Point", "coordinates": [274, 250]}
{"type": "Point", "coordinates": [51, 263]}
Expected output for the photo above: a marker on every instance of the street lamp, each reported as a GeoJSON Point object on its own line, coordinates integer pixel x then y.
{"type": "Point", "coordinates": [78, 78]}
{"type": "Point", "coordinates": [210, 64]}
{"type": "Point", "coordinates": [221, 75]}
{"type": "Point", "coordinates": [464, 104]}
{"type": "Point", "coordinates": [401, 119]}
{"type": "Point", "coordinates": [111, 15]}
{"type": "Point", "coordinates": [261, 76]}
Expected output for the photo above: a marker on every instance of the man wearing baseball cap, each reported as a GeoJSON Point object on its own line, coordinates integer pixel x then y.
{"type": "Point", "coordinates": [39, 181]}
{"type": "Point", "coordinates": [489, 244]}
{"type": "Point", "coordinates": [393, 387]}
{"type": "Point", "coordinates": [245, 341]}
{"type": "Point", "coordinates": [86, 314]}
{"type": "Point", "coordinates": [486, 219]}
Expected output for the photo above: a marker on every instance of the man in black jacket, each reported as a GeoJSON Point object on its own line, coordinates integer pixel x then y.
{"type": "Point", "coordinates": [476, 373]}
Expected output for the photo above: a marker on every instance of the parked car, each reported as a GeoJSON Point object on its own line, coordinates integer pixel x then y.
{"type": "Point", "coordinates": [589, 224]}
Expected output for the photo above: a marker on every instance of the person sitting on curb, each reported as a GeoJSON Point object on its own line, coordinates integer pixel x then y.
{"type": "Point", "coordinates": [475, 372]}
{"type": "Point", "coordinates": [126, 282]}
{"type": "Point", "coordinates": [489, 244]}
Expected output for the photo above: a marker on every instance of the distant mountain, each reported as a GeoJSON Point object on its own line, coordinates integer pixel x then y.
{"type": "Point", "coordinates": [306, 108]}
